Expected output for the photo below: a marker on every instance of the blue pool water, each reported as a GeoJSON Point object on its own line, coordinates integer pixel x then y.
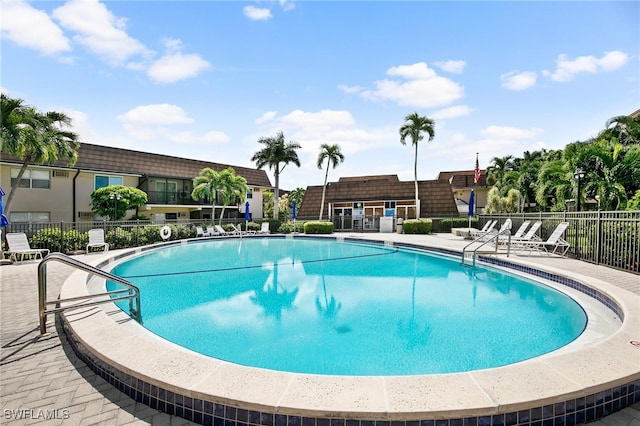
{"type": "Point", "coordinates": [322, 306]}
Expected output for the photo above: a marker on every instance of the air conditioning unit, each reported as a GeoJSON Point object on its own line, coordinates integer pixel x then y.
{"type": "Point", "coordinates": [85, 215]}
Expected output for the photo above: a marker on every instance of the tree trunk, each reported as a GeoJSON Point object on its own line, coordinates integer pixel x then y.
{"type": "Point", "coordinates": [415, 180]}
{"type": "Point", "coordinates": [324, 188]}
{"type": "Point", "coordinates": [23, 168]}
{"type": "Point", "coordinates": [276, 194]}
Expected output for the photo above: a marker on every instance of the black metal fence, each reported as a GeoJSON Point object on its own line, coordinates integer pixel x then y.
{"type": "Point", "coordinates": [606, 238]}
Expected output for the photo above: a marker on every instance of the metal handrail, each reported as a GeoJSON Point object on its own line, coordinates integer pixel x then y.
{"type": "Point", "coordinates": [132, 291]}
{"type": "Point", "coordinates": [494, 238]}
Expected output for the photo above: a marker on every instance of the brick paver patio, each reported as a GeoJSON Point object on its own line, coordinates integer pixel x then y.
{"type": "Point", "coordinates": [43, 382]}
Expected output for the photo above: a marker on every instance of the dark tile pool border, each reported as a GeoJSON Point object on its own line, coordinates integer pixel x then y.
{"type": "Point", "coordinates": [571, 412]}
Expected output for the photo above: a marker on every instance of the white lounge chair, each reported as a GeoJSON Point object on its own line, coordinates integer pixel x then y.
{"type": "Point", "coordinates": [488, 227]}
{"type": "Point", "coordinates": [506, 227]}
{"type": "Point", "coordinates": [554, 241]}
{"type": "Point", "coordinates": [504, 239]}
{"type": "Point", "coordinates": [18, 247]}
{"type": "Point", "coordinates": [96, 239]}
{"type": "Point", "coordinates": [221, 231]}
{"type": "Point", "coordinates": [264, 228]}
{"type": "Point", "coordinates": [238, 230]}
{"type": "Point", "coordinates": [531, 235]}
{"type": "Point", "coordinates": [200, 232]}
{"type": "Point", "coordinates": [212, 231]}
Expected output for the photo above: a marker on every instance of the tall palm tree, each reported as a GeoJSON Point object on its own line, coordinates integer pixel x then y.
{"type": "Point", "coordinates": [205, 186]}
{"type": "Point", "coordinates": [231, 187]}
{"type": "Point", "coordinates": [275, 152]}
{"type": "Point", "coordinates": [35, 137]}
{"type": "Point", "coordinates": [625, 129]}
{"type": "Point", "coordinates": [499, 168]}
{"type": "Point", "coordinates": [334, 156]}
{"type": "Point", "coordinates": [12, 110]}
{"type": "Point", "coordinates": [414, 127]}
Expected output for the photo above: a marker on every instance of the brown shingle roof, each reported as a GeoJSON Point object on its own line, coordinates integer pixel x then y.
{"type": "Point", "coordinates": [463, 178]}
{"type": "Point", "coordinates": [118, 160]}
{"type": "Point", "coordinates": [437, 197]}
{"type": "Point", "coordinates": [378, 178]}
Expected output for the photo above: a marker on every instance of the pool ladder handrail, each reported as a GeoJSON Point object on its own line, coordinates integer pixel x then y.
{"type": "Point", "coordinates": [495, 238]}
{"type": "Point", "coordinates": [132, 291]}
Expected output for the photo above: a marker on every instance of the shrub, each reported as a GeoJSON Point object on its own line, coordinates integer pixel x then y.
{"type": "Point", "coordinates": [180, 232]}
{"type": "Point", "coordinates": [118, 238]}
{"type": "Point", "coordinates": [274, 225]}
{"type": "Point", "coordinates": [417, 226]}
{"type": "Point", "coordinates": [318, 227]}
{"type": "Point", "coordinates": [50, 238]}
{"type": "Point", "coordinates": [253, 226]}
{"type": "Point", "coordinates": [287, 227]}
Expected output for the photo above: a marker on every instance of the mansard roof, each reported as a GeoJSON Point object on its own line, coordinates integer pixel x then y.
{"type": "Point", "coordinates": [118, 160]}
{"type": "Point", "coordinates": [437, 197]}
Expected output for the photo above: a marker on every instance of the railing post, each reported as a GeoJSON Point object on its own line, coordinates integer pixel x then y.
{"type": "Point", "coordinates": [42, 296]}
{"type": "Point", "coordinates": [61, 237]}
{"type": "Point", "coordinates": [598, 238]}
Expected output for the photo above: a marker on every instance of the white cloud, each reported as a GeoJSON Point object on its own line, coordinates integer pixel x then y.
{"type": "Point", "coordinates": [451, 112]}
{"type": "Point", "coordinates": [511, 133]}
{"type": "Point", "coordinates": [257, 13]}
{"type": "Point", "coordinates": [350, 89]}
{"type": "Point", "coordinates": [567, 69]}
{"type": "Point", "coordinates": [32, 28]}
{"type": "Point", "coordinates": [155, 114]}
{"type": "Point", "coordinates": [156, 122]}
{"type": "Point", "coordinates": [177, 66]}
{"type": "Point", "coordinates": [320, 121]}
{"type": "Point", "coordinates": [98, 30]}
{"type": "Point", "coordinates": [456, 67]}
{"type": "Point", "coordinates": [516, 80]}
{"type": "Point", "coordinates": [311, 129]}
{"type": "Point", "coordinates": [287, 5]}
{"type": "Point", "coordinates": [422, 87]}
{"type": "Point", "coordinates": [266, 117]}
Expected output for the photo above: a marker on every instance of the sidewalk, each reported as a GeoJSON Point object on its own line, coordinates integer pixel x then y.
{"type": "Point", "coordinates": [42, 381]}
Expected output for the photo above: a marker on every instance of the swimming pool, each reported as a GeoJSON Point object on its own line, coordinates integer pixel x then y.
{"type": "Point", "coordinates": [593, 376]}
{"type": "Point", "coordinates": [319, 306]}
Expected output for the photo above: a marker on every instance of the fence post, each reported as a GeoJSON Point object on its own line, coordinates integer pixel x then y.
{"type": "Point", "coordinates": [61, 236]}
{"type": "Point", "coordinates": [598, 238]}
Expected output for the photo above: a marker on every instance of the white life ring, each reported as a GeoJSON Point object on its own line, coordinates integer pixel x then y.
{"type": "Point", "coordinates": [165, 232]}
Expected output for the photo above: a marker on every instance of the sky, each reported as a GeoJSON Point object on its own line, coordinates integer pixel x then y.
{"type": "Point", "coordinates": [206, 80]}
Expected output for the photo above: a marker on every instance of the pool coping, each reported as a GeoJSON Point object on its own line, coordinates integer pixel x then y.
{"type": "Point", "coordinates": [161, 373]}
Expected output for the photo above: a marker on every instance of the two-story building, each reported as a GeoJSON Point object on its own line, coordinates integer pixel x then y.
{"type": "Point", "coordinates": [54, 193]}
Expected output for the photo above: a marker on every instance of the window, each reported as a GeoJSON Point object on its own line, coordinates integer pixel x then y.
{"type": "Point", "coordinates": [39, 179]}
{"type": "Point", "coordinates": [250, 193]}
{"type": "Point", "coordinates": [102, 181]}
{"type": "Point", "coordinates": [26, 217]}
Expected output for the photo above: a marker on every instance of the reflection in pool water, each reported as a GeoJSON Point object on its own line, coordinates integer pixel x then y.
{"type": "Point", "coordinates": [326, 307]}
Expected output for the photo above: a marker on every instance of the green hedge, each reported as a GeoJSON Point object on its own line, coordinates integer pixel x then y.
{"type": "Point", "coordinates": [318, 227]}
{"type": "Point", "coordinates": [287, 227]}
{"type": "Point", "coordinates": [50, 238]}
{"type": "Point", "coordinates": [417, 226]}
{"type": "Point", "coordinates": [461, 222]}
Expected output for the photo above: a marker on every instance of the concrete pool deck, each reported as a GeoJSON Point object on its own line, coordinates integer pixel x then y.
{"type": "Point", "coordinates": [43, 373]}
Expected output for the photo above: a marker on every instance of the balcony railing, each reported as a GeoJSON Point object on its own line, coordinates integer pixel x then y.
{"type": "Point", "coordinates": [174, 198]}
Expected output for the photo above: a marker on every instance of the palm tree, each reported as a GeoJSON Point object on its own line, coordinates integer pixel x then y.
{"type": "Point", "coordinates": [232, 187]}
{"type": "Point", "coordinates": [297, 195]}
{"type": "Point", "coordinates": [334, 156]}
{"type": "Point", "coordinates": [205, 186]}
{"type": "Point", "coordinates": [275, 152]}
{"type": "Point", "coordinates": [625, 129]}
{"type": "Point", "coordinates": [35, 137]}
{"type": "Point", "coordinates": [414, 127]}
{"type": "Point", "coordinates": [554, 184]}
{"type": "Point", "coordinates": [499, 168]}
